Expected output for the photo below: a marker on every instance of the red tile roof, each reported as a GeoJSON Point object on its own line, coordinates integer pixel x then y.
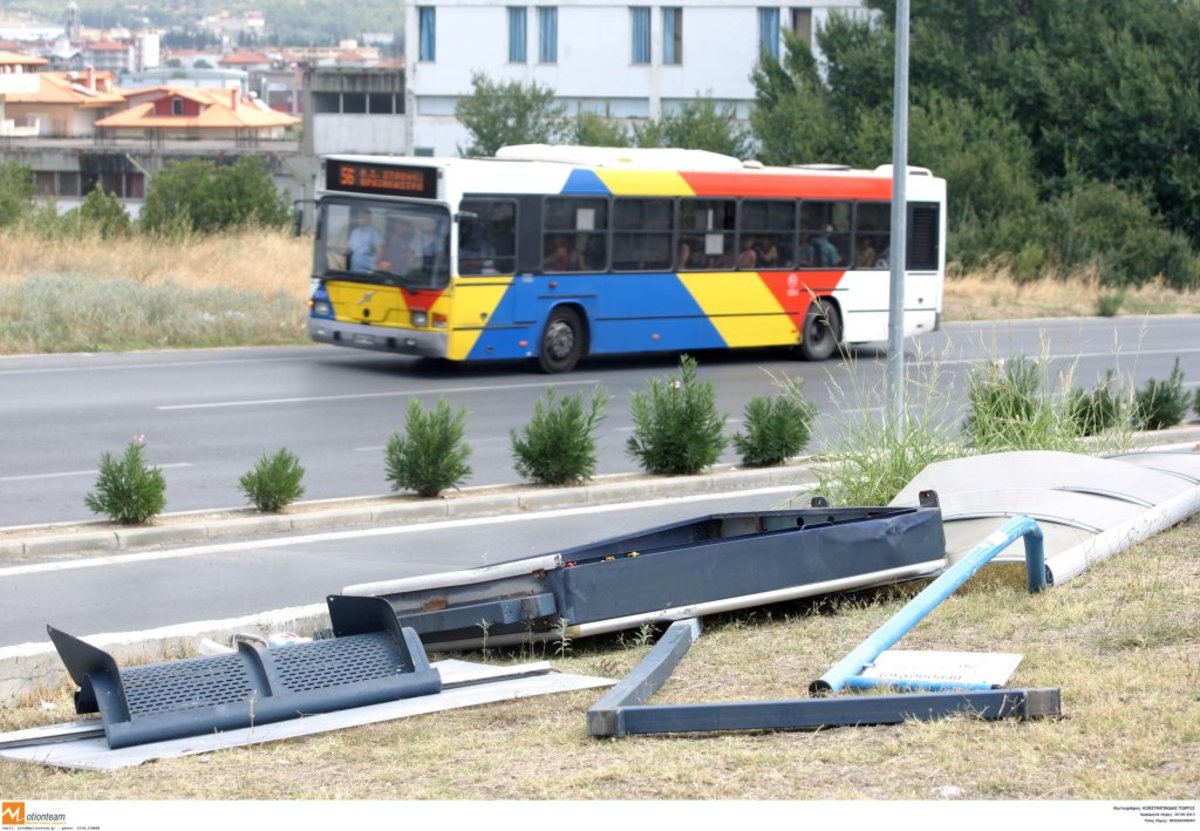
{"type": "Point", "coordinates": [220, 108]}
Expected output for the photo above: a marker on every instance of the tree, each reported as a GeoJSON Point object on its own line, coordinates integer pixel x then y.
{"type": "Point", "coordinates": [700, 124]}
{"type": "Point", "coordinates": [592, 130]}
{"type": "Point", "coordinates": [499, 113]}
{"type": "Point", "coordinates": [792, 116]}
{"type": "Point", "coordinates": [203, 197]}
{"type": "Point", "coordinates": [17, 192]}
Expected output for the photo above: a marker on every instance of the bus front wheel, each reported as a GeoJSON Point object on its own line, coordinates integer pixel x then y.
{"type": "Point", "coordinates": [562, 342]}
{"type": "Point", "coordinates": [822, 331]}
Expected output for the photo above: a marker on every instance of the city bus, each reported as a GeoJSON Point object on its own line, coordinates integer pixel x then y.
{"type": "Point", "coordinates": [554, 253]}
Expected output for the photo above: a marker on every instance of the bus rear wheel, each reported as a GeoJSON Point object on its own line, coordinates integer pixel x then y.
{"type": "Point", "coordinates": [562, 342]}
{"type": "Point", "coordinates": [822, 331]}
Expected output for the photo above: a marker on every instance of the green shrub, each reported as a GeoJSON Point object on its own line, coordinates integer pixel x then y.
{"type": "Point", "coordinates": [676, 427]}
{"type": "Point", "coordinates": [1196, 403]}
{"type": "Point", "coordinates": [1099, 224]}
{"type": "Point", "coordinates": [776, 428]}
{"type": "Point", "coordinates": [128, 491]}
{"type": "Point", "coordinates": [1096, 410]}
{"type": "Point", "coordinates": [1161, 404]}
{"type": "Point", "coordinates": [202, 196]}
{"type": "Point", "coordinates": [1008, 409]}
{"type": "Point", "coordinates": [17, 192]}
{"type": "Point", "coordinates": [558, 445]}
{"type": "Point", "coordinates": [102, 213]}
{"type": "Point", "coordinates": [274, 483]}
{"type": "Point", "coordinates": [1108, 305]}
{"type": "Point", "coordinates": [431, 455]}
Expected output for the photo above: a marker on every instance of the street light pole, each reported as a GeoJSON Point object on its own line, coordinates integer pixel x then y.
{"type": "Point", "coordinates": [898, 255]}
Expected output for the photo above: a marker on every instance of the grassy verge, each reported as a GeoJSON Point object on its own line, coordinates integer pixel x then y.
{"type": "Point", "coordinates": [94, 295]}
{"type": "Point", "coordinates": [995, 295]}
{"type": "Point", "coordinates": [1122, 642]}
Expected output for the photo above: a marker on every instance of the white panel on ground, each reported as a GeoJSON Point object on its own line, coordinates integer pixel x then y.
{"type": "Point", "coordinates": [1088, 508]}
{"type": "Point", "coordinates": [1045, 469]}
{"type": "Point", "coordinates": [1185, 465]}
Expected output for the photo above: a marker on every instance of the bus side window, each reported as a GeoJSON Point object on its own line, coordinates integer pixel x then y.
{"type": "Point", "coordinates": [575, 234]}
{"type": "Point", "coordinates": [487, 242]}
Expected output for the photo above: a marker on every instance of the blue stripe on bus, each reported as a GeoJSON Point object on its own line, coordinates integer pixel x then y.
{"type": "Point", "coordinates": [585, 182]}
{"type": "Point", "coordinates": [652, 312]}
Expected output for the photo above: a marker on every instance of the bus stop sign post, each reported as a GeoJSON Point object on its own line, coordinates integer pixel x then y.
{"type": "Point", "coordinates": [898, 255]}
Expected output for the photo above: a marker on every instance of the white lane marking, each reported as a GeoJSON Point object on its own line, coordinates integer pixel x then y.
{"type": "Point", "coordinates": [391, 530]}
{"type": "Point", "coordinates": [69, 473]}
{"type": "Point", "coordinates": [254, 402]}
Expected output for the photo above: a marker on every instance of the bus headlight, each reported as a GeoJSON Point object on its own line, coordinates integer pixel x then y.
{"type": "Point", "coordinates": [420, 319]}
{"type": "Point", "coordinates": [322, 308]}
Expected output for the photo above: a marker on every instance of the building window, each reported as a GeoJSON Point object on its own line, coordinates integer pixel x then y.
{"type": "Point", "coordinates": [547, 34]}
{"type": "Point", "coordinates": [176, 106]}
{"type": "Point", "coordinates": [802, 24]}
{"type": "Point", "coordinates": [672, 36]}
{"type": "Point", "coordinates": [768, 32]}
{"type": "Point", "coordinates": [427, 33]}
{"type": "Point", "coordinates": [354, 102]}
{"type": "Point", "coordinates": [639, 22]}
{"type": "Point", "coordinates": [516, 34]}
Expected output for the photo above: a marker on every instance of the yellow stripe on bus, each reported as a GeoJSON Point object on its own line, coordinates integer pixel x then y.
{"type": "Point", "coordinates": [741, 308]}
{"type": "Point", "coordinates": [473, 306]}
{"type": "Point", "coordinates": [645, 183]}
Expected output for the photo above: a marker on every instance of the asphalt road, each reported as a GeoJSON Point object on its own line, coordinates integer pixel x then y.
{"type": "Point", "coordinates": [151, 589]}
{"type": "Point", "coordinates": [208, 415]}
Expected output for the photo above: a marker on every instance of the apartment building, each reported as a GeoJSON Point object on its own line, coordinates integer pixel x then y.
{"type": "Point", "coordinates": [617, 59]}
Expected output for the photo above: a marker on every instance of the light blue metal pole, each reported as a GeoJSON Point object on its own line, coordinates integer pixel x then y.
{"type": "Point", "coordinates": [937, 591]}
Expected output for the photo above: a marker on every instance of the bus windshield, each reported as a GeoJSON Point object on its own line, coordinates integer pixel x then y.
{"type": "Point", "coordinates": [389, 243]}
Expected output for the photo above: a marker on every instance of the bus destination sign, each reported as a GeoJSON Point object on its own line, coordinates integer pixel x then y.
{"type": "Point", "coordinates": [384, 180]}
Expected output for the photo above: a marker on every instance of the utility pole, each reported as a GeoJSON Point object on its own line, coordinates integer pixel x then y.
{"type": "Point", "coordinates": [898, 255]}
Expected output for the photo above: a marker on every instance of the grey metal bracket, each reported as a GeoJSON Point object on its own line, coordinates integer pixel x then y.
{"type": "Point", "coordinates": [623, 711]}
{"type": "Point", "coordinates": [372, 660]}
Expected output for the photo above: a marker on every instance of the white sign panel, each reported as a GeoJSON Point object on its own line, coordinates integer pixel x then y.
{"type": "Point", "coordinates": [989, 668]}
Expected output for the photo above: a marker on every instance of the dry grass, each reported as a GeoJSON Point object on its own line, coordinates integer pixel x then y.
{"type": "Point", "coordinates": [249, 289]}
{"type": "Point", "coordinates": [1122, 642]}
{"type": "Point", "coordinates": [260, 262]}
{"type": "Point", "coordinates": [995, 295]}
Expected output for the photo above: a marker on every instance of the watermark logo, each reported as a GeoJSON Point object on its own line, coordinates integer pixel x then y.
{"type": "Point", "coordinates": [13, 813]}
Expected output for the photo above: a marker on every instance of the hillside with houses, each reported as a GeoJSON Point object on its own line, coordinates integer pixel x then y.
{"type": "Point", "coordinates": [86, 106]}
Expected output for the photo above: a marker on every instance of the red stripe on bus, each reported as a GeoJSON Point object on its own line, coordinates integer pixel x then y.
{"type": "Point", "coordinates": [794, 290]}
{"type": "Point", "coordinates": [789, 185]}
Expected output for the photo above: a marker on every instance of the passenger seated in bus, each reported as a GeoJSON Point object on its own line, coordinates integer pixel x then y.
{"type": "Point", "coordinates": [476, 254]}
{"type": "Point", "coordinates": [691, 253]}
{"type": "Point", "coordinates": [865, 258]}
{"type": "Point", "coordinates": [806, 257]}
{"type": "Point", "coordinates": [768, 254]}
{"type": "Point", "coordinates": [748, 257]}
{"type": "Point", "coordinates": [365, 244]}
{"type": "Point", "coordinates": [402, 250]}
{"type": "Point", "coordinates": [826, 253]}
{"type": "Point", "coordinates": [560, 256]}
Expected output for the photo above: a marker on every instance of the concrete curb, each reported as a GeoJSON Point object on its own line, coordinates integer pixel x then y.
{"type": "Point", "coordinates": [56, 542]}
